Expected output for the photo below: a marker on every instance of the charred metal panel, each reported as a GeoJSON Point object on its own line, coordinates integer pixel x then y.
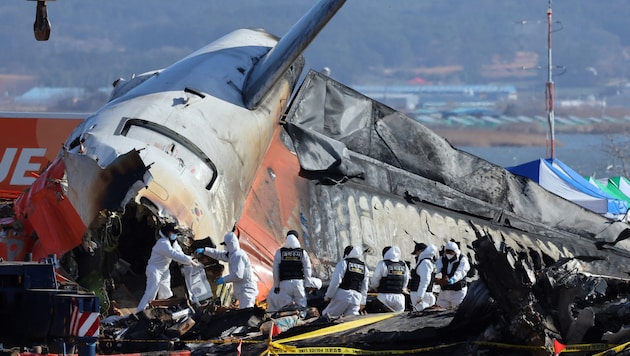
{"type": "Point", "coordinates": [400, 142]}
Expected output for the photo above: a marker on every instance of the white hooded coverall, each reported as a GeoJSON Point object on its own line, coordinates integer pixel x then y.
{"type": "Point", "coordinates": [346, 301]}
{"type": "Point", "coordinates": [421, 298]}
{"type": "Point", "coordinates": [291, 290]}
{"type": "Point", "coordinates": [157, 271]}
{"type": "Point", "coordinates": [240, 270]}
{"type": "Point", "coordinates": [394, 301]}
{"type": "Point", "coordinates": [452, 298]}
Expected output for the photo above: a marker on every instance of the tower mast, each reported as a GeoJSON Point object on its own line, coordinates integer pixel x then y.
{"type": "Point", "coordinates": [549, 89]}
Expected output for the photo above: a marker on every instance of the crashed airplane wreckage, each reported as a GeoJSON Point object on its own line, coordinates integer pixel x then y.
{"type": "Point", "coordinates": [340, 168]}
{"type": "Point", "coordinates": [372, 177]}
{"type": "Point", "coordinates": [547, 269]}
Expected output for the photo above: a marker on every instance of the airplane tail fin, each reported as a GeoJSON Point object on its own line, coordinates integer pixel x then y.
{"type": "Point", "coordinates": [271, 67]}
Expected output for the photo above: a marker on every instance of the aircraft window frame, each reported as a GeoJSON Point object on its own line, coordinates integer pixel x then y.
{"type": "Point", "coordinates": [127, 123]}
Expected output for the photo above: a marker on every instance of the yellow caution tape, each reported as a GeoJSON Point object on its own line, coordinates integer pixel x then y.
{"type": "Point", "coordinates": [508, 346]}
{"type": "Point", "coordinates": [585, 347]}
{"type": "Point", "coordinates": [339, 327]}
{"type": "Point", "coordinates": [275, 348]}
{"type": "Point", "coordinates": [613, 350]}
{"type": "Point", "coordinates": [278, 347]}
{"type": "Point", "coordinates": [340, 350]}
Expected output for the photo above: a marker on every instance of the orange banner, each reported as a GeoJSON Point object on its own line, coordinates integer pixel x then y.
{"type": "Point", "coordinates": [30, 141]}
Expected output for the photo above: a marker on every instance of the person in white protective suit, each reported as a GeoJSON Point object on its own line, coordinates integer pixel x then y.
{"type": "Point", "coordinates": [239, 267]}
{"type": "Point", "coordinates": [275, 302]}
{"type": "Point", "coordinates": [421, 283]}
{"type": "Point", "coordinates": [291, 267]}
{"type": "Point", "coordinates": [165, 250]}
{"type": "Point", "coordinates": [390, 278]}
{"type": "Point", "coordinates": [453, 267]}
{"type": "Point", "coordinates": [347, 291]}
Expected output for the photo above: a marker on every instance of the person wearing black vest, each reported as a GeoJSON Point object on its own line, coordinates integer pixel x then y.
{"type": "Point", "coordinates": [453, 267]}
{"type": "Point", "coordinates": [347, 291]}
{"type": "Point", "coordinates": [390, 278]}
{"type": "Point", "coordinates": [291, 266]}
{"type": "Point", "coordinates": [421, 283]}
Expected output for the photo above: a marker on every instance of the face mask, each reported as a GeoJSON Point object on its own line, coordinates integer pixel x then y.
{"type": "Point", "coordinates": [449, 255]}
{"type": "Point", "coordinates": [173, 237]}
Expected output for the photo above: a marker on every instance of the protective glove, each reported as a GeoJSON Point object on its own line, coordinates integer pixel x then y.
{"type": "Point", "coordinates": [451, 280]}
{"type": "Point", "coordinates": [220, 280]}
{"type": "Point", "coordinates": [276, 290]}
{"type": "Point", "coordinates": [200, 250]}
{"type": "Point", "coordinates": [196, 263]}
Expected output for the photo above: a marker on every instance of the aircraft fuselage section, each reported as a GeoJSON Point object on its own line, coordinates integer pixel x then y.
{"type": "Point", "coordinates": [188, 122]}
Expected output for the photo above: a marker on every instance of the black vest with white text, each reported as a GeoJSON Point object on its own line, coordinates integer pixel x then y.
{"type": "Point", "coordinates": [395, 279]}
{"type": "Point", "coordinates": [291, 266]}
{"type": "Point", "coordinates": [355, 273]}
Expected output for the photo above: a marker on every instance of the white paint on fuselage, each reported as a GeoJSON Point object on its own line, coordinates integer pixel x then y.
{"type": "Point", "coordinates": [210, 115]}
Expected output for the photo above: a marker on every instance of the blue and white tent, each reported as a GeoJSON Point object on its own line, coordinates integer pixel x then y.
{"type": "Point", "coordinates": [560, 179]}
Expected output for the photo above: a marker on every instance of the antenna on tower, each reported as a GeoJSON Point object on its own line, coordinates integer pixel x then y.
{"type": "Point", "coordinates": [549, 88]}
